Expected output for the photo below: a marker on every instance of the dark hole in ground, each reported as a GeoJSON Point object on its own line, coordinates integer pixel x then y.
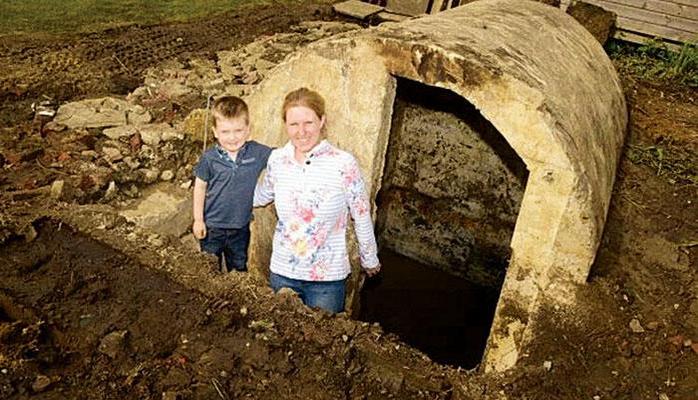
{"type": "Point", "coordinates": [446, 211]}
{"type": "Point", "coordinates": [446, 317]}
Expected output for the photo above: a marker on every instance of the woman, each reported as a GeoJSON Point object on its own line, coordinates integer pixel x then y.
{"type": "Point", "coordinates": [314, 187]}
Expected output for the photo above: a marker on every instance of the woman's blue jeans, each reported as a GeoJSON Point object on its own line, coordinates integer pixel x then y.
{"type": "Point", "coordinates": [326, 295]}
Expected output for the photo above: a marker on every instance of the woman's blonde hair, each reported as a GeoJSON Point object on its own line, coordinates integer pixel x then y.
{"type": "Point", "coordinates": [306, 98]}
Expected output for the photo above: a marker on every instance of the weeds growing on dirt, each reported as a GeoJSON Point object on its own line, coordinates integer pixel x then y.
{"type": "Point", "coordinates": [668, 160]}
{"type": "Point", "coordinates": [654, 60]}
{"type": "Point", "coordinates": [41, 16]}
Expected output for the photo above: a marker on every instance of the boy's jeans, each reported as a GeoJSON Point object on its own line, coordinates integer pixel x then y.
{"type": "Point", "coordinates": [326, 295]}
{"type": "Point", "coordinates": [230, 245]}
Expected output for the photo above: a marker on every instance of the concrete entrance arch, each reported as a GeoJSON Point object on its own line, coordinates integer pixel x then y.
{"type": "Point", "coordinates": [536, 75]}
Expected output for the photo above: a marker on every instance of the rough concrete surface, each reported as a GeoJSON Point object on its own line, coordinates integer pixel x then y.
{"type": "Point", "coordinates": [448, 198]}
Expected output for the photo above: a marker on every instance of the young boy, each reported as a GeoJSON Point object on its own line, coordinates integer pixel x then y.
{"type": "Point", "coordinates": [226, 176]}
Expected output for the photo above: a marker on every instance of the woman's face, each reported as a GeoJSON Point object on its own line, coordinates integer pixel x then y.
{"type": "Point", "coordinates": [304, 128]}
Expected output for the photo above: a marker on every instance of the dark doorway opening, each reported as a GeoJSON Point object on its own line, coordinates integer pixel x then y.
{"type": "Point", "coordinates": [446, 317]}
{"type": "Point", "coordinates": [446, 211]}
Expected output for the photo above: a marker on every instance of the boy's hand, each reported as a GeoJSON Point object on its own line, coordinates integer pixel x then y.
{"type": "Point", "coordinates": [199, 229]}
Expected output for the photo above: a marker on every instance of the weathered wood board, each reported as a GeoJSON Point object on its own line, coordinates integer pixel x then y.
{"type": "Point", "coordinates": [639, 20]}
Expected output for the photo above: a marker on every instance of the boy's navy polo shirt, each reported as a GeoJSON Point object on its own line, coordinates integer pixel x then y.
{"type": "Point", "coordinates": [230, 184]}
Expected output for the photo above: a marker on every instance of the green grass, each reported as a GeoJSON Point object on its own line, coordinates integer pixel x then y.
{"type": "Point", "coordinates": [675, 163]}
{"type": "Point", "coordinates": [68, 16]}
{"type": "Point", "coordinates": [655, 61]}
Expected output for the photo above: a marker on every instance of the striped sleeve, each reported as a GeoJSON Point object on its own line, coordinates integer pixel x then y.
{"type": "Point", "coordinates": [359, 207]}
{"type": "Point", "coordinates": [264, 191]}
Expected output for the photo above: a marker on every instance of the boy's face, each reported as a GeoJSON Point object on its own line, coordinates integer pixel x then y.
{"type": "Point", "coordinates": [231, 133]}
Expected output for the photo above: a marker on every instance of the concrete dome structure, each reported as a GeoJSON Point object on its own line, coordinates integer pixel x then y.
{"type": "Point", "coordinates": [532, 71]}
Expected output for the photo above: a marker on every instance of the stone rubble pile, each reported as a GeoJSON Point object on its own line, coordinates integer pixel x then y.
{"type": "Point", "coordinates": [121, 146]}
{"type": "Point", "coordinates": [236, 71]}
{"type": "Point", "coordinates": [116, 150]}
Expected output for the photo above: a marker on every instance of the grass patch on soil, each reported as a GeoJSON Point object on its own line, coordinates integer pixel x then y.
{"type": "Point", "coordinates": [65, 16]}
{"type": "Point", "coordinates": [654, 60]}
{"type": "Point", "coordinates": [668, 160]}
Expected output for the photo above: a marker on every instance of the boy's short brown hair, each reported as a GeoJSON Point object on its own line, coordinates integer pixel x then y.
{"type": "Point", "coordinates": [229, 107]}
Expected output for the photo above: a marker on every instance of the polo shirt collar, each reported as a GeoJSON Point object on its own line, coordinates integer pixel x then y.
{"type": "Point", "coordinates": [223, 153]}
{"type": "Point", "coordinates": [289, 149]}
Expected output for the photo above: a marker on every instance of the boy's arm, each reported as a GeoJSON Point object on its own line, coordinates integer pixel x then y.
{"type": "Point", "coordinates": [199, 227]}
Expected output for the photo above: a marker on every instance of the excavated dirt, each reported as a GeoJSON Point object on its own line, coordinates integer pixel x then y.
{"type": "Point", "coordinates": [93, 306]}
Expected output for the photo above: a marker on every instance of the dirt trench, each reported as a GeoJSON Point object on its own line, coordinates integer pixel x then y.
{"type": "Point", "coordinates": [80, 319]}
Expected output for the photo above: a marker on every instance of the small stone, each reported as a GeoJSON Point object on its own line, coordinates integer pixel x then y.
{"type": "Point", "coordinates": [57, 189]}
{"type": "Point", "coordinates": [687, 343]}
{"type": "Point", "coordinates": [131, 162]}
{"type": "Point", "coordinates": [54, 126]}
{"type": "Point", "coordinates": [652, 326]}
{"type": "Point", "coordinates": [29, 233]}
{"type": "Point", "coordinates": [676, 340]}
{"type": "Point", "coordinates": [155, 240]}
{"type": "Point", "coordinates": [547, 365]}
{"type": "Point", "coordinates": [243, 311]}
{"type": "Point", "coordinates": [635, 326]}
{"type": "Point", "coordinates": [4, 371]}
{"type": "Point", "coordinates": [345, 338]}
{"type": "Point", "coordinates": [132, 191]}
{"type": "Point", "coordinates": [186, 184]}
{"type": "Point", "coordinates": [135, 143]}
{"type": "Point", "coordinates": [152, 134]}
{"type": "Point", "coordinates": [118, 132]}
{"type": "Point", "coordinates": [85, 320]}
{"type": "Point", "coordinates": [597, 397]}
{"type": "Point", "coordinates": [112, 154]}
{"type": "Point", "coordinates": [169, 396]}
{"type": "Point", "coordinates": [167, 175]}
{"type": "Point", "coordinates": [149, 175]}
{"type": "Point", "coordinates": [170, 134]}
{"type": "Point", "coordinates": [88, 154]}
{"type": "Point", "coordinates": [41, 383]}
{"type": "Point", "coordinates": [663, 396]}
{"type": "Point", "coordinates": [111, 191]}
{"type": "Point", "coordinates": [223, 374]}
{"type": "Point", "coordinates": [251, 78]}
{"type": "Point", "coordinates": [113, 344]}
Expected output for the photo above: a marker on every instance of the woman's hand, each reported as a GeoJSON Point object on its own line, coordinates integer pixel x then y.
{"type": "Point", "coordinates": [372, 271]}
{"type": "Point", "coordinates": [199, 229]}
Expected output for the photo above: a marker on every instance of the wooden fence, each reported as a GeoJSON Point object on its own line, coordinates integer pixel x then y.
{"type": "Point", "coordinates": [639, 20]}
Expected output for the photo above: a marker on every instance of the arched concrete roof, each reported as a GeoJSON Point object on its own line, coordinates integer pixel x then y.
{"type": "Point", "coordinates": [536, 75]}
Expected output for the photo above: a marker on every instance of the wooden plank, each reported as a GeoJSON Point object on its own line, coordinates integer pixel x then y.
{"type": "Point", "coordinates": [357, 9]}
{"type": "Point", "coordinates": [662, 31]}
{"type": "Point", "coordinates": [651, 17]}
{"type": "Point", "coordinates": [641, 39]}
{"type": "Point", "coordinates": [436, 6]}
{"type": "Point", "coordinates": [659, 6]}
{"type": "Point", "coordinates": [407, 7]}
